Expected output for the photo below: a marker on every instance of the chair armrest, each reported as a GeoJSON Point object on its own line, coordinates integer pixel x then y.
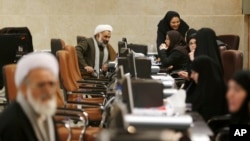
{"type": "Point", "coordinates": [93, 82]}
{"type": "Point", "coordinates": [219, 122]}
{"type": "Point", "coordinates": [88, 92]}
{"type": "Point", "coordinates": [92, 86]}
{"type": "Point", "coordinates": [96, 79]}
{"type": "Point", "coordinates": [75, 115]}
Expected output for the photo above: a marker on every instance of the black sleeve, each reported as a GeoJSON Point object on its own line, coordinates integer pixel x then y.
{"type": "Point", "coordinates": [171, 59]}
{"type": "Point", "coordinates": [12, 133]}
{"type": "Point", "coordinates": [81, 49]}
{"type": "Point", "coordinates": [160, 39]}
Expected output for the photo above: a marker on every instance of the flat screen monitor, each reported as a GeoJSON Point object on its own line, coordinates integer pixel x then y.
{"type": "Point", "coordinates": [131, 64]}
{"type": "Point", "coordinates": [143, 66]}
{"type": "Point", "coordinates": [12, 48]}
{"type": "Point", "coordinates": [120, 72]}
{"type": "Point", "coordinates": [138, 48]}
{"type": "Point", "coordinates": [127, 93]}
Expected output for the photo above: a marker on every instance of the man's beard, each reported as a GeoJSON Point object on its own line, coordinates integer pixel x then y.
{"type": "Point", "coordinates": [47, 108]}
{"type": "Point", "coordinates": [101, 42]}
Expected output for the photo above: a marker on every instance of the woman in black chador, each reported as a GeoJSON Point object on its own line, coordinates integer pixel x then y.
{"type": "Point", "coordinates": [173, 52]}
{"type": "Point", "coordinates": [209, 96]}
{"type": "Point", "coordinates": [171, 21]}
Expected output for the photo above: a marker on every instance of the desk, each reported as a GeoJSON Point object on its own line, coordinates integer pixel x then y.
{"type": "Point", "coordinates": [199, 131]}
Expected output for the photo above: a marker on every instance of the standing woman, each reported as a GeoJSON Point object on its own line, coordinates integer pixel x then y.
{"type": "Point", "coordinates": [171, 21]}
{"type": "Point", "coordinates": [173, 52]}
{"type": "Point", "coordinates": [209, 96]}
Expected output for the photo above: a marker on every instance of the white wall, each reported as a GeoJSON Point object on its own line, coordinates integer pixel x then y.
{"type": "Point", "coordinates": [135, 19]}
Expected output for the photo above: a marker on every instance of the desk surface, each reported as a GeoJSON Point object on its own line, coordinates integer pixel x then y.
{"type": "Point", "coordinates": [198, 131]}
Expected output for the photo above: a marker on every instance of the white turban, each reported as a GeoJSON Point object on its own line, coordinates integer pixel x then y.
{"type": "Point", "coordinates": [33, 61]}
{"type": "Point", "coordinates": [103, 27]}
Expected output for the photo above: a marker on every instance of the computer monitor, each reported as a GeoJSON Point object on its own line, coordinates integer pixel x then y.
{"type": "Point", "coordinates": [139, 48]}
{"type": "Point", "coordinates": [120, 72]}
{"type": "Point", "coordinates": [12, 48]}
{"type": "Point", "coordinates": [122, 49]}
{"type": "Point", "coordinates": [127, 93]}
{"type": "Point", "coordinates": [143, 66]}
{"type": "Point", "coordinates": [131, 64]}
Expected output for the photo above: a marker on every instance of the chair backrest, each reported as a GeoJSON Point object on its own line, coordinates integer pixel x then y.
{"type": "Point", "coordinates": [68, 83]}
{"type": "Point", "coordinates": [232, 41]}
{"type": "Point", "coordinates": [112, 53]}
{"type": "Point", "coordinates": [232, 61]}
{"type": "Point", "coordinates": [80, 38]}
{"type": "Point", "coordinates": [9, 82]}
{"type": "Point", "coordinates": [73, 62]}
{"type": "Point", "coordinates": [11, 90]}
{"type": "Point", "coordinates": [56, 44]}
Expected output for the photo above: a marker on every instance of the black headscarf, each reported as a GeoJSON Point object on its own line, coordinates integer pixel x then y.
{"type": "Point", "coordinates": [242, 116]}
{"type": "Point", "coordinates": [209, 95]}
{"type": "Point", "coordinates": [164, 27]}
{"type": "Point", "coordinates": [191, 34]}
{"type": "Point", "coordinates": [207, 45]}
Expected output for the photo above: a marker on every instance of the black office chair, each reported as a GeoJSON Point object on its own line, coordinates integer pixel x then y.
{"type": "Point", "coordinates": [80, 38]}
{"type": "Point", "coordinates": [219, 122]}
{"type": "Point", "coordinates": [232, 41]}
{"type": "Point", "coordinates": [56, 45]}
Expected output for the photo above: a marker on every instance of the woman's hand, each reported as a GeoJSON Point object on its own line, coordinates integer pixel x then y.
{"type": "Point", "coordinates": [163, 46]}
{"type": "Point", "coordinates": [184, 75]}
{"type": "Point", "coordinates": [191, 55]}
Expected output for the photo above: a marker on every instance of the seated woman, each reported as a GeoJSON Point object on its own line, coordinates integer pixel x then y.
{"type": "Point", "coordinates": [238, 97]}
{"type": "Point", "coordinates": [191, 43]}
{"type": "Point", "coordinates": [208, 97]}
{"type": "Point", "coordinates": [173, 52]}
{"type": "Point", "coordinates": [171, 21]}
{"type": "Point", "coordinates": [206, 42]}
{"type": "Point", "coordinates": [191, 46]}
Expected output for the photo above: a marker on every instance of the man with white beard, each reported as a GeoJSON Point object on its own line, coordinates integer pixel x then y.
{"type": "Point", "coordinates": [95, 52]}
{"type": "Point", "coordinates": [29, 118]}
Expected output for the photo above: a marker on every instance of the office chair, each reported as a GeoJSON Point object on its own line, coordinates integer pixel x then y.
{"type": "Point", "coordinates": [75, 70]}
{"type": "Point", "coordinates": [55, 45]}
{"type": "Point", "coordinates": [232, 41]}
{"type": "Point", "coordinates": [9, 76]}
{"type": "Point", "coordinates": [65, 120]}
{"type": "Point", "coordinates": [79, 38]}
{"type": "Point", "coordinates": [11, 92]}
{"type": "Point", "coordinates": [73, 94]}
{"type": "Point", "coordinates": [232, 61]}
